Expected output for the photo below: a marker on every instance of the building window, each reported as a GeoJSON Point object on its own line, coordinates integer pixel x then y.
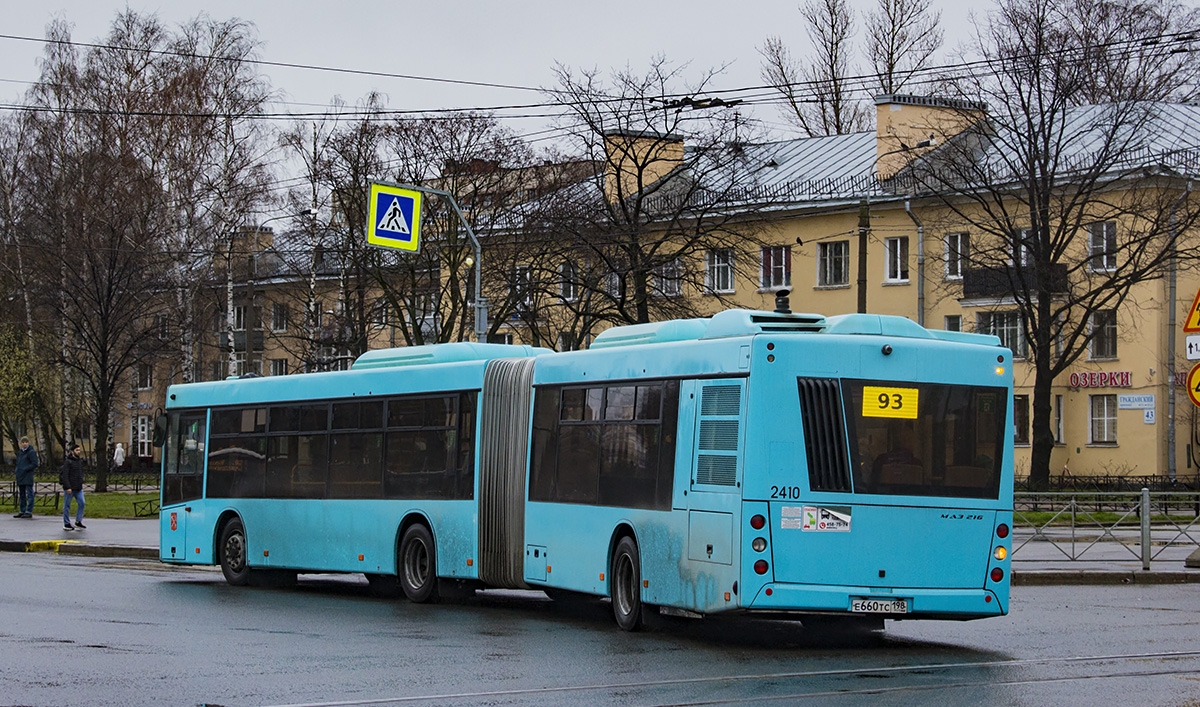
{"type": "Point", "coordinates": [240, 365]}
{"type": "Point", "coordinates": [522, 284]}
{"type": "Point", "coordinates": [239, 318]}
{"type": "Point", "coordinates": [379, 314]}
{"type": "Point", "coordinates": [897, 259]}
{"type": "Point", "coordinates": [1007, 326]}
{"type": "Point", "coordinates": [278, 366]}
{"type": "Point", "coordinates": [833, 264]}
{"type": "Point", "coordinates": [279, 317]}
{"type": "Point", "coordinates": [1103, 243]}
{"type": "Point", "coordinates": [568, 285]}
{"type": "Point", "coordinates": [1058, 419]}
{"type": "Point", "coordinates": [1103, 419]}
{"type": "Point", "coordinates": [1020, 419]}
{"type": "Point", "coordinates": [145, 374]}
{"type": "Point", "coordinates": [1022, 244]}
{"type": "Point", "coordinates": [719, 273]}
{"type": "Point", "coordinates": [668, 278]}
{"type": "Point", "coordinates": [957, 245]}
{"type": "Point", "coordinates": [953, 322]}
{"type": "Point", "coordinates": [567, 342]}
{"type": "Point", "coordinates": [504, 337]}
{"type": "Point", "coordinates": [776, 267]}
{"type": "Point", "coordinates": [1104, 333]}
{"type": "Point", "coordinates": [143, 436]}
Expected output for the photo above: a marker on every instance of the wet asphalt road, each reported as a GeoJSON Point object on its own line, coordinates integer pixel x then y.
{"type": "Point", "coordinates": [91, 631]}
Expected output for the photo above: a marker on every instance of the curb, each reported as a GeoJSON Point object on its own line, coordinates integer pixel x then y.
{"type": "Point", "coordinates": [141, 553]}
{"type": "Point", "coordinates": [79, 548]}
{"type": "Point", "coordinates": [1100, 577]}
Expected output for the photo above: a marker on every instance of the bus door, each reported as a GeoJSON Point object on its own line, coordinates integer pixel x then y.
{"type": "Point", "coordinates": [714, 493]}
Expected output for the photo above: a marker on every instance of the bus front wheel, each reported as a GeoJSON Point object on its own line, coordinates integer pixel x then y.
{"type": "Point", "coordinates": [627, 585]}
{"type": "Point", "coordinates": [233, 553]}
{"type": "Point", "coordinates": [418, 567]}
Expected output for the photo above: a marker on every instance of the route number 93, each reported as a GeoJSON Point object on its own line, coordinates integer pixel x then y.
{"type": "Point", "coordinates": [881, 401]}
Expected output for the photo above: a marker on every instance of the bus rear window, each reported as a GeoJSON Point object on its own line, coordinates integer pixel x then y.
{"type": "Point", "coordinates": [923, 439]}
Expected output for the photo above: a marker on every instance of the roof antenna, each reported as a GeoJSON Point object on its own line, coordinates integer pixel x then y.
{"type": "Point", "coordinates": [782, 306]}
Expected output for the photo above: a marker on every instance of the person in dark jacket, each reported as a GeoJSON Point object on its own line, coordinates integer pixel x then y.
{"type": "Point", "coordinates": [71, 478]}
{"type": "Point", "coordinates": [27, 463]}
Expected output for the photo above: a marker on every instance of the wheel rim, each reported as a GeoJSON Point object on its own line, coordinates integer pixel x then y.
{"type": "Point", "coordinates": [235, 552]}
{"type": "Point", "coordinates": [416, 564]}
{"type": "Point", "coordinates": [624, 585]}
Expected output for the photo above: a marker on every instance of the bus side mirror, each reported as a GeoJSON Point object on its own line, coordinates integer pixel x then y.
{"type": "Point", "coordinates": [160, 431]}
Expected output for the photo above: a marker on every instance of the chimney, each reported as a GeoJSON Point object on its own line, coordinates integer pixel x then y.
{"type": "Point", "coordinates": [907, 126]}
{"type": "Point", "coordinates": [637, 159]}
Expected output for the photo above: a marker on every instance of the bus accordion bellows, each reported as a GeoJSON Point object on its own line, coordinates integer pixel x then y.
{"type": "Point", "coordinates": [840, 469]}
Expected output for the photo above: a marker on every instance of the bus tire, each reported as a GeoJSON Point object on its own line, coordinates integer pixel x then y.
{"type": "Point", "coordinates": [234, 556]}
{"type": "Point", "coordinates": [418, 564]}
{"type": "Point", "coordinates": [627, 585]}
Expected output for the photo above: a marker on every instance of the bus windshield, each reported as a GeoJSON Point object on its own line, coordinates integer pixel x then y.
{"type": "Point", "coordinates": [924, 439]}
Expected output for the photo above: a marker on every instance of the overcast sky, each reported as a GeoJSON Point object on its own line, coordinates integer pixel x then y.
{"type": "Point", "coordinates": [515, 42]}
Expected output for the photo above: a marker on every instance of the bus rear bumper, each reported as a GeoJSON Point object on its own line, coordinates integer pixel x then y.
{"type": "Point", "coordinates": [959, 604]}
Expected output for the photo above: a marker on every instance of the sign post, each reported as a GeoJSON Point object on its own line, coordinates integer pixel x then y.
{"type": "Point", "coordinates": [394, 221]}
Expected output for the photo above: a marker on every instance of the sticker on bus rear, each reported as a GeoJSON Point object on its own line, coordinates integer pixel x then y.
{"type": "Point", "coordinates": [817, 519]}
{"type": "Point", "coordinates": [879, 401]}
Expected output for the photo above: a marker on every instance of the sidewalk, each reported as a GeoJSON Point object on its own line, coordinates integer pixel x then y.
{"type": "Point", "coordinates": [1034, 563]}
{"type": "Point", "coordinates": [104, 537]}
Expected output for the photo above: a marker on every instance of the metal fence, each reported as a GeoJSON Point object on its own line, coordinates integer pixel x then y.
{"type": "Point", "coordinates": [1147, 523]}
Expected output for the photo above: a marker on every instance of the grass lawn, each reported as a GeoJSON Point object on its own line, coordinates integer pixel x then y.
{"type": "Point", "coordinates": [97, 505]}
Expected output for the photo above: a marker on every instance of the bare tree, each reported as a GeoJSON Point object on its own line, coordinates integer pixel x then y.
{"type": "Point", "coordinates": [642, 236]}
{"type": "Point", "coordinates": [1069, 207]}
{"type": "Point", "coordinates": [819, 92]}
{"type": "Point", "coordinates": [132, 139]}
{"type": "Point", "coordinates": [902, 37]}
{"type": "Point", "coordinates": [1140, 50]}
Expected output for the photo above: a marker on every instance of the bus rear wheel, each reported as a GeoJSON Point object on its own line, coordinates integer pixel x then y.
{"type": "Point", "coordinates": [232, 547]}
{"type": "Point", "coordinates": [418, 565]}
{"type": "Point", "coordinates": [627, 585]}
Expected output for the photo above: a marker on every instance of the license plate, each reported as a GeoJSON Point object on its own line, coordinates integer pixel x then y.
{"type": "Point", "coordinates": [863, 605]}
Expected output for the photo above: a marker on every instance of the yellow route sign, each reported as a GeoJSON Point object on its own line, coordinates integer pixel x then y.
{"type": "Point", "coordinates": [394, 220]}
{"type": "Point", "coordinates": [1191, 324]}
{"type": "Point", "coordinates": [1193, 385]}
{"type": "Point", "coordinates": [890, 402]}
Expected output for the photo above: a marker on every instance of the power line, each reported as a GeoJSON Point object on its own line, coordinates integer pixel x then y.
{"type": "Point", "coordinates": [277, 64]}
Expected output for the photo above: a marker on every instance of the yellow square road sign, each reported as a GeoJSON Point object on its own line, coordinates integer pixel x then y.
{"type": "Point", "coordinates": [394, 218]}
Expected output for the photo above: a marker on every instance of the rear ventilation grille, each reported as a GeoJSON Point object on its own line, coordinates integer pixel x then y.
{"type": "Point", "coordinates": [716, 471]}
{"type": "Point", "coordinates": [719, 435]}
{"type": "Point", "coordinates": [824, 434]}
{"type": "Point", "coordinates": [721, 400]}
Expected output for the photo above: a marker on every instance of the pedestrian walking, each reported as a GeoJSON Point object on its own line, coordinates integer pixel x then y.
{"type": "Point", "coordinates": [119, 457]}
{"type": "Point", "coordinates": [27, 463]}
{"type": "Point", "coordinates": [71, 478]}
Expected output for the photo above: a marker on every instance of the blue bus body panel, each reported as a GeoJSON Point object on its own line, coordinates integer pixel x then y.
{"type": "Point", "coordinates": [328, 535]}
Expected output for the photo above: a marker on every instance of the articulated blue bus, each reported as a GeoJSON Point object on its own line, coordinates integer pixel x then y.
{"type": "Point", "coordinates": [848, 468]}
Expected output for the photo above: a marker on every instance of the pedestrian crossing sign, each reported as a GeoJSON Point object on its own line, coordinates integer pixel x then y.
{"type": "Point", "coordinates": [394, 218]}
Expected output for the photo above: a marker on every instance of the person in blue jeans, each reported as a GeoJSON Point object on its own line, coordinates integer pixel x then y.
{"type": "Point", "coordinates": [71, 478]}
{"type": "Point", "coordinates": [27, 463]}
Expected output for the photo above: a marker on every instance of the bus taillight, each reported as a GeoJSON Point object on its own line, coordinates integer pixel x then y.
{"type": "Point", "coordinates": [1002, 531]}
{"type": "Point", "coordinates": [758, 522]}
{"type": "Point", "coordinates": [760, 567]}
{"type": "Point", "coordinates": [997, 574]}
